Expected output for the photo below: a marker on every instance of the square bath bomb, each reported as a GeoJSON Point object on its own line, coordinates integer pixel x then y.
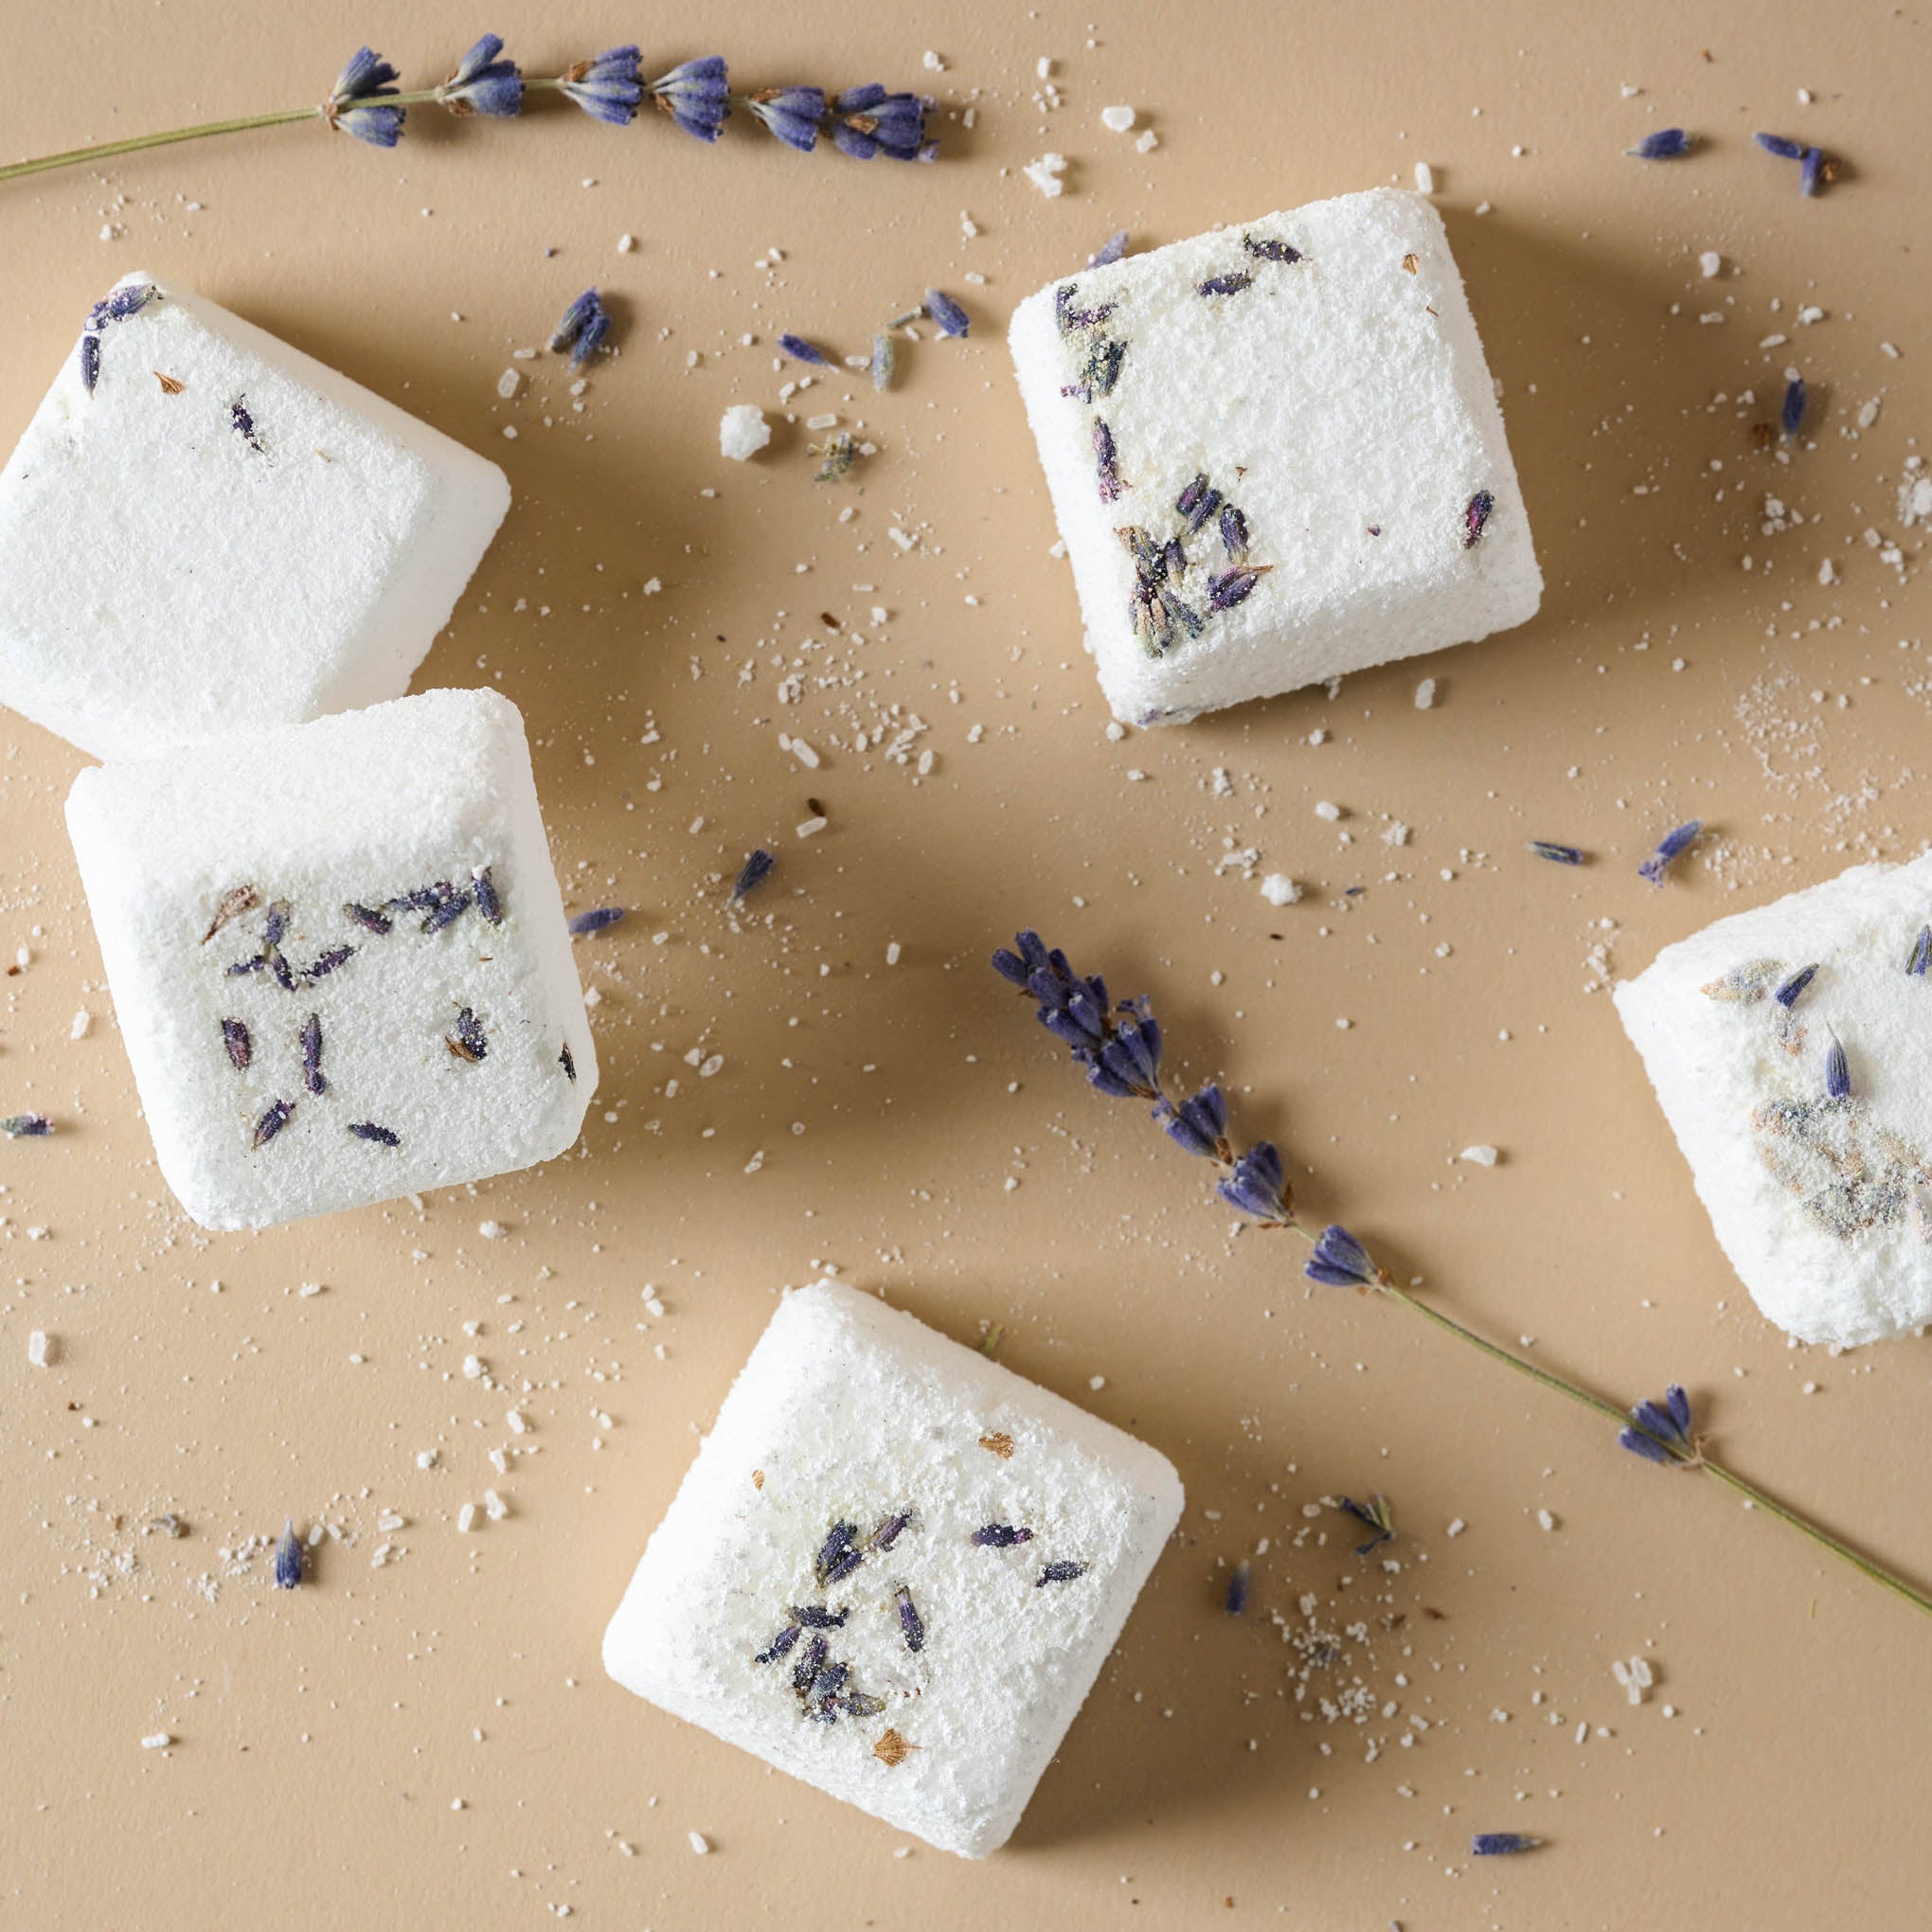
{"type": "Point", "coordinates": [1275, 456]}
{"type": "Point", "coordinates": [894, 1570]}
{"type": "Point", "coordinates": [203, 530]}
{"type": "Point", "coordinates": [1813, 1170]}
{"type": "Point", "coordinates": [338, 957]}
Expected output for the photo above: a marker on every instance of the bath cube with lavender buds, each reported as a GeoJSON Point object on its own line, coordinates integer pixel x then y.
{"type": "Point", "coordinates": [204, 531]}
{"type": "Point", "coordinates": [1791, 1049]}
{"type": "Point", "coordinates": [894, 1570]}
{"type": "Point", "coordinates": [338, 957]}
{"type": "Point", "coordinates": [1275, 455]}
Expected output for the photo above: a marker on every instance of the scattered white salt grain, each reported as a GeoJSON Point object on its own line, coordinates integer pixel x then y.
{"type": "Point", "coordinates": [1709, 263]}
{"type": "Point", "coordinates": [491, 1230]}
{"type": "Point", "coordinates": [1097, 1382]}
{"type": "Point", "coordinates": [1481, 1156]}
{"type": "Point", "coordinates": [804, 754]}
{"type": "Point", "coordinates": [516, 1423]}
{"type": "Point", "coordinates": [473, 1368]}
{"type": "Point", "coordinates": [808, 827]}
{"type": "Point", "coordinates": [626, 244]}
{"type": "Point", "coordinates": [1545, 1519]}
{"type": "Point", "coordinates": [508, 382]}
{"type": "Point", "coordinates": [1278, 888]}
{"type": "Point", "coordinates": [700, 1844]}
{"type": "Point", "coordinates": [426, 1459]}
{"type": "Point", "coordinates": [1147, 141]}
{"type": "Point", "coordinates": [466, 1517]}
{"type": "Point", "coordinates": [308, 1290]}
{"type": "Point", "coordinates": [1116, 119]}
{"type": "Point", "coordinates": [41, 1347]}
{"type": "Point", "coordinates": [1426, 694]}
{"type": "Point", "coordinates": [1425, 178]}
{"type": "Point", "coordinates": [743, 432]}
{"type": "Point", "coordinates": [892, 953]}
{"type": "Point", "coordinates": [1045, 174]}
{"type": "Point", "coordinates": [78, 1027]}
{"type": "Point", "coordinates": [1328, 809]}
{"type": "Point", "coordinates": [495, 1506]}
{"type": "Point", "coordinates": [935, 63]}
{"type": "Point", "coordinates": [156, 1740]}
{"type": "Point", "coordinates": [1458, 1527]}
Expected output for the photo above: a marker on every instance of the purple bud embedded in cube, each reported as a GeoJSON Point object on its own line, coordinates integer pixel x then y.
{"type": "Point", "coordinates": [1000, 1536]}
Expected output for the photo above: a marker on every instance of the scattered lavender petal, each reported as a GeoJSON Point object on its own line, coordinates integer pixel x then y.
{"type": "Point", "coordinates": [597, 920]}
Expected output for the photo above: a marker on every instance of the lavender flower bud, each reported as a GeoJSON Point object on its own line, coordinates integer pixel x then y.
{"type": "Point", "coordinates": [1669, 848]}
{"type": "Point", "coordinates": [952, 319]}
{"type": "Point", "coordinates": [608, 87]}
{"type": "Point", "coordinates": [792, 115]}
{"type": "Point", "coordinates": [1258, 1186]}
{"type": "Point", "coordinates": [484, 84]}
{"type": "Point", "coordinates": [697, 95]}
{"type": "Point", "coordinates": [1341, 1260]}
{"type": "Point", "coordinates": [1667, 144]}
{"type": "Point", "coordinates": [366, 77]}
{"type": "Point", "coordinates": [1199, 1125]}
{"type": "Point", "coordinates": [288, 1559]}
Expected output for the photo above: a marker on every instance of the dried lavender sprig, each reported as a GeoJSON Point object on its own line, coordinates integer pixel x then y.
{"type": "Point", "coordinates": [1075, 1009]}
{"type": "Point", "coordinates": [365, 102]}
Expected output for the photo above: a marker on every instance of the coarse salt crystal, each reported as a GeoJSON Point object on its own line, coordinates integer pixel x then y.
{"type": "Point", "coordinates": [1426, 694]}
{"type": "Point", "coordinates": [466, 1517]}
{"type": "Point", "coordinates": [700, 1844]}
{"type": "Point", "coordinates": [1709, 263]}
{"type": "Point", "coordinates": [1045, 173]}
{"type": "Point", "coordinates": [1278, 888]}
{"type": "Point", "coordinates": [743, 432]}
{"type": "Point", "coordinates": [1481, 1156]}
{"type": "Point", "coordinates": [41, 1347]}
{"type": "Point", "coordinates": [1425, 178]}
{"type": "Point", "coordinates": [1116, 119]}
{"type": "Point", "coordinates": [508, 382]}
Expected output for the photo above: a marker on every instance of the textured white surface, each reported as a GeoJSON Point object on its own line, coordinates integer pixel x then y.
{"type": "Point", "coordinates": [743, 432]}
{"type": "Point", "coordinates": [1818, 1204]}
{"type": "Point", "coordinates": [1330, 398]}
{"type": "Point", "coordinates": [163, 579]}
{"type": "Point", "coordinates": [360, 808]}
{"type": "Point", "coordinates": [848, 1410]}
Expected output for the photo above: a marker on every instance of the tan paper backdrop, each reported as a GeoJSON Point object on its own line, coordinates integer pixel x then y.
{"type": "Point", "coordinates": [914, 1128]}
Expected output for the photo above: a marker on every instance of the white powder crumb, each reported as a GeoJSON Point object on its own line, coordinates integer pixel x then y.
{"type": "Point", "coordinates": [1045, 173]}
{"type": "Point", "coordinates": [495, 1506]}
{"type": "Point", "coordinates": [41, 1347]}
{"type": "Point", "coordinates": [1426, 694]}
{"type": "Point", "coordinates": [627, 245]}
{"type": "Point", "coordinates": [156, 1740]}
{"type": "Point", "coordinates": [508, 382]}
{"type": "Point", "coordinates": [308, 1290]}
{"type": "Point", "coordinates": [426, 1458]}
{"type": "Point", "coordinates": [892, 953]}
{"type": "Point", "coordinates": [78, 1027]}
{"type": "Point", "coordinates": [1043, 67]}
{"type": "Point", "coordinates": [743, 432]}
{"type": "Point", "coordinates": [700, 1844]}
{"type": "Point", "coordinates": [1116, 119]}
{"type": "Point", "coordinates": [1709, 263]}
{"type": "Point", "coordinates": [1545, 1519]}
{"type": "Point", "coordinates": [1425, 178]}
{"type": "Point", "coordinates": [466, 1518]}
{"type": "Point", "coordinates": [1278, 888]}
{"type": "Point", "coordinates": [1147, 141]}
{"type": "Point", "coordinates": [473, 1368]}
{"type": "Point", "coordinates": [491, 1230]}
{"type": "Point", "coordinates": [1097, 1382]}
{"type": "Point", "coordinates": [935, 63]}
{"type": "Point", "coordinates": [1397, 834]}
{"type": "Point", "coordinates": [1481, 1156]}
{"type": "Point", "coordinates": [516, 1423]}
{"type": "Point", "coordinates": [1456, 1528]}
{"type": "Point", "coordinates": [1828, 572]}
{"type": "Point", "coordinates": [1328, 809]}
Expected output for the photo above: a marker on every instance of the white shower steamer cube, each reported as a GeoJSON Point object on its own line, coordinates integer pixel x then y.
{"type": "Point", "coordinates": [1813, 1173]}
{"type": "Point", "coordinates": [338, 957]}
{"type": "Point", "coordinates": [1275, 456]}
{"type": "Point", "coordinates": [894, 1570]}
{"type": "Point", "coordinates": [203, 530]}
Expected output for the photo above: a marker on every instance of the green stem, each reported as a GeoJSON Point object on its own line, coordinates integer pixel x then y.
{"type": "Point", "coordinates": [1623, 1420]}
{"type": "Point", "coordinates": [75, 157]}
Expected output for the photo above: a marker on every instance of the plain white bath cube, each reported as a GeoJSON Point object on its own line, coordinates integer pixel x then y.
{"type": "Point", "coordinates": [1819, 1199]}
{"type": "Point", "coordinates": [1274, 455]}
{"type": "Point", "coordinates": [222, 534]}
{"type": "Point", "coordinates": [854, 1462]}
{"type": "Point", "coordinates": [338, 957]}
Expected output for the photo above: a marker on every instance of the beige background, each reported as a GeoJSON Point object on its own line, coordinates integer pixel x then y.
{"type": "Point", "coordinates": [324, 1736]}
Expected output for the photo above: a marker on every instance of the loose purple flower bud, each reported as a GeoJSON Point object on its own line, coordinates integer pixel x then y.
{"type": "Point", "coordinates": [1787, 995]}
{"type": "Point", "coordinates": [596, 922]}
{"type": "Point", "coordinates": [800, 351]}
{"type": "Point", "coordinates": [1810, 170]}
{"type": "Point", "coordinates": [1791, 413]}
{"type": "Point", "coordinates": [1235, 1603]}
{"type": "Point", "coordinates": [756, 871]}
{"type": "Point", "coordinates": [1501, 1844]}
{"type": "Point", "coordinates": [288, 1559]}
{"type": "Point", "coordinates": [575, 320]}
{"type": "Point", "coordinates": [26, 1126]}
{"type": "Point", "coordinates": [1670, 847]}
{"type": "Point", "coordinates": [1667, 144]}
{"type": "Point", "coordinates": [952, 319]}
{"type": "Point", "coordinates": [1110, 251]}
{"type": "Point", "coordinates": [1777, 144]}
